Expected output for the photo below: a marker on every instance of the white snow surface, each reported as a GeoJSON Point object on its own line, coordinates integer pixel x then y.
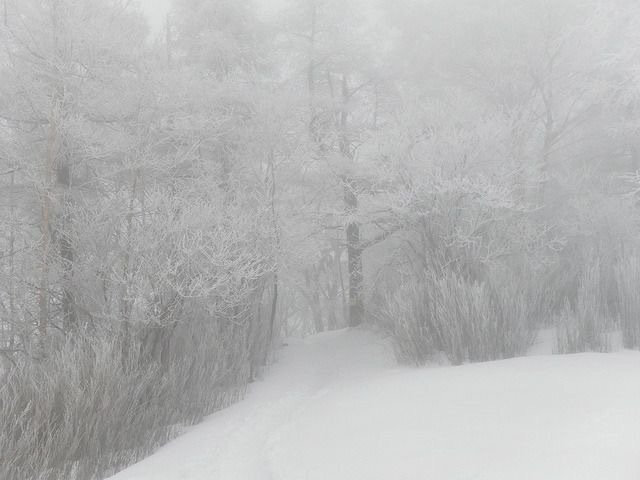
{"type": "Point", "coordinates": [335, 407]}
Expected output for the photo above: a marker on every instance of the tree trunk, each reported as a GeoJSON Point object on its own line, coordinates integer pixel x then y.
{"type": "Point", "coordinates": [126, 305]}
{"type": "Point", "coordinates": [354, 259]}
{"type": "Point", "coordinates": [317, 318]}
{"type": "Point", "coordinates": [67, 253]}
{"type": "Point", "coordinates": [43, 290]}
{"type": "Point", "coordinates": [12, 252]}
{"type": "Point", "coordinates": [313, 299]}
{"type": "Point", "coordinates": [276, 233]}
{"type": "Point", "coordinates": [273, 313]}
{"type": "Point", "coordinates": [343, 290]}
{"type": "Point", "coordinates": [354, 248]}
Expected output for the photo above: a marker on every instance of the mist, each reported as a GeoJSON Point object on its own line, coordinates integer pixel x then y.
{"type": "Point", "coordinates": [342, 239]}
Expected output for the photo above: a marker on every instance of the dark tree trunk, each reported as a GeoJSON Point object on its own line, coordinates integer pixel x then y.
{"type": "Point", "coordinates": [354, 247]}
{"type": "Point", "coordinates": [274, 311]}
{"type": "Point", "coordinates": [354, 259]}
{"type": "Point", "coordinates": [317, 318]}
{"type": "Point", "coordinates": [313, 298]}
{"type": "Point", "coordinates": [67, 254]}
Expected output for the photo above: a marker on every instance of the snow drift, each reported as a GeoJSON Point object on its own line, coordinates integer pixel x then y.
{"type": "Point", "coordinates": [336, 408]}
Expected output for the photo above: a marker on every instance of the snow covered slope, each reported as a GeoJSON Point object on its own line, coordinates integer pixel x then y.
{"type": "Point", "coordinates": [336, 408]}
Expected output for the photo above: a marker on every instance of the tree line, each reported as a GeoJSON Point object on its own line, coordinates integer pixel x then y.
{"type": "Point", "coordinates": [459, 174]}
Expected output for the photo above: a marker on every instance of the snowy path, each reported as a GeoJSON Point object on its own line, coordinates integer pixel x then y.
{"type": "Point", "coordinates": [336, 408]}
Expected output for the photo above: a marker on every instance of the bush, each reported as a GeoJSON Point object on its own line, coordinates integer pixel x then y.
{"type": "Point", "coordinates": [627, 274]}
{"type": "Point", "coordinates": [94, 407]}
{"type": "Point", "coordinates": [583, 326]}
{"type": "Point", "coordinates": [467, 321]}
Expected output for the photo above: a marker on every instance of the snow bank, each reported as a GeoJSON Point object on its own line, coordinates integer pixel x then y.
{"type": "Point", "coordinates": [336, 408]}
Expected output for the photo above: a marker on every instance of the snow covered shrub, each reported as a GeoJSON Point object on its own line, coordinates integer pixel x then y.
{"type": "Point", "coordinates": [401, 314]}
{"type": "Point", "coordinates": [583, 326]}
{"type": "Point", "coordinates": [627, 275]}
{"type": "Point", "coordinates": [94, 407]}
{"type": "Point", "coordinates": [467, 321]}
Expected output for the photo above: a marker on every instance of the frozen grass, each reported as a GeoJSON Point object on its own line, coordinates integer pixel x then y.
{"type": "Point", "coordinates": [90, 409]}
{"type": "Point", "coordinates": [584, 326]}
{"type": "Point", "coordinates": [465, 320]}
{"type": "Point", "coordinates": [627, 275]}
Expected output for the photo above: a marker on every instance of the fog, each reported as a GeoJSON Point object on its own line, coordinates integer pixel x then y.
{"type": "Point", "coordinates": [188, 187]}
{"type": "Point", "coordinates": [156, 11]}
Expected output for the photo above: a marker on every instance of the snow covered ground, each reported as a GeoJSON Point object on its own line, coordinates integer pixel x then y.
{"type": "Point", "coordinates": [335, 407]}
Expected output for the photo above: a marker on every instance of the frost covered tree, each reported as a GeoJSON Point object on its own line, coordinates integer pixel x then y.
{"type": "Point", "coordinates": [171, 205]}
